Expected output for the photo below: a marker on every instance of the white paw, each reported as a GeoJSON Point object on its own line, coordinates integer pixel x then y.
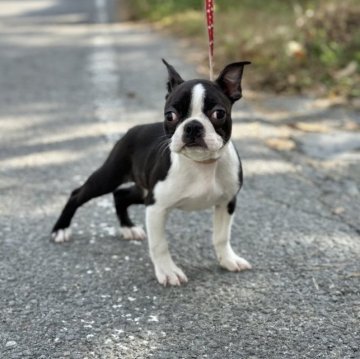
{"type": "Point", "coordinates": [132, 233]}
{"type": "Point", "coordinates": [61, 235]}
{"type": "Point", "coordinates": [234, 263]}
{"type": "Point", "coordinates": [169, 274]}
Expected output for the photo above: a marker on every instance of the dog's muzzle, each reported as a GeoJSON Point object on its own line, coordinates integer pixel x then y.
{"type": "Point", "coordinates": [193, 134]}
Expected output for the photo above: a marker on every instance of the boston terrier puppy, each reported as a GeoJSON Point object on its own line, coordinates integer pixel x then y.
{"type": "Point", "coordinates": [186, 162]}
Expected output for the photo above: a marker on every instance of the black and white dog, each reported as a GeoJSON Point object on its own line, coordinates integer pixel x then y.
{"type": "Point", "coordinates": [186, 162]}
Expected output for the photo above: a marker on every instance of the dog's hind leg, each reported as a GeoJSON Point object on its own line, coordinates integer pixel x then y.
{"type": "Point", "coordinates": [123, 198]}
{"type": "Point", "coordinates": [98, 184]}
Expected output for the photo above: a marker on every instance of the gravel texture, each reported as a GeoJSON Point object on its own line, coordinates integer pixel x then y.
{"type": "Point", "coordinates": [297, 220]}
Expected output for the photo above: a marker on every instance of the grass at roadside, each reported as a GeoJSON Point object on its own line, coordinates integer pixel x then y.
{"type": "Point", "coordinates": [295, 46]}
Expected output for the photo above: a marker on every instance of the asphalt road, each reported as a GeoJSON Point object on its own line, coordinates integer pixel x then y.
{"type": "Point", "coordinates": [71, 83]}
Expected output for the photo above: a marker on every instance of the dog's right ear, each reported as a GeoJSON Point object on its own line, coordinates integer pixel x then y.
{"type": "Point", "coordinates": [174, 78]}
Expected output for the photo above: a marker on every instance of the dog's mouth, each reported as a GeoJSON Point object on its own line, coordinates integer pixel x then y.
{"type": "Point", "coordinates": [195, 143]}
{"type": "Point", "coordinates": [192, 144]}
{"type": "Point", "coordinates": [197, 148]}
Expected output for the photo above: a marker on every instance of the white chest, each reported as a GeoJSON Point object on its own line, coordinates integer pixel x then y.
{"type": "Point", "coordinates": [193, 186]}
{"type": "Point", "coordinates": [201, 192]}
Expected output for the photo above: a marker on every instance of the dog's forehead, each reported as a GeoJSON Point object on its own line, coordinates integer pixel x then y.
{"type": "Point", "coordinates": [196, 92]}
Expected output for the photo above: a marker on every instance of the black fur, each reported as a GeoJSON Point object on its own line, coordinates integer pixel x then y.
{"type": "Point", "coordinates": [229, 80]}
{"type": "Point", "coordinates": [179, 102]}
{"type": "Point", "coordinates": [125, 197]}
{"type": "Point", "coordinates": [231, 206]}
{"type": "Point", "coordinates": [142, 156]}
{"type": "Point", "coordinates": [144, 165]}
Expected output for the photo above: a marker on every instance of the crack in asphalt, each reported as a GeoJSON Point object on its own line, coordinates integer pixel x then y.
{"type": "Point", "coordinates": [290, 160]}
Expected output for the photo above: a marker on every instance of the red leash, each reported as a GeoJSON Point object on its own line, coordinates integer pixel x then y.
{"type": "Point", "coordinates": [209, 7]}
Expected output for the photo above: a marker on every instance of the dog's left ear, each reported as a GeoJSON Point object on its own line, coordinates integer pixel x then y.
{"type": "Point", "coordinates": [229, 80]}
{"type": "Point", "coordinates": [174, 78]}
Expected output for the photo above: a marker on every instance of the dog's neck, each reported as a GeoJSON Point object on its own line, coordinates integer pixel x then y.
{"type": "Point", "coordinates": [209, 161]}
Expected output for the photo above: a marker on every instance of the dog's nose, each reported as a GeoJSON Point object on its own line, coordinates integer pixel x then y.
{"type": "Point", "coordinates": [193, 129]}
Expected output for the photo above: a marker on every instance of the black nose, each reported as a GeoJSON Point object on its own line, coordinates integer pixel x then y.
{"type": "Point", "coordinates": [193, 129]}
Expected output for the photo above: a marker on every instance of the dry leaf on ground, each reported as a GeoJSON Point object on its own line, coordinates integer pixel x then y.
{"type": "Point", "coordinates": [280, 144]}
{"type": "Point", "coordinates": [311, 127]}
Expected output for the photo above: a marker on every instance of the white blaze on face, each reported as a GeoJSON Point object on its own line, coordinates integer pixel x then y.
{"type": "Point", "coordinates": [213, 141]}
{"type": "Point", "coordinates": [197, 101]}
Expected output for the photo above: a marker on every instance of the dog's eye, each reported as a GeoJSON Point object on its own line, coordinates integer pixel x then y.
{"type": "Point", "coordinates": [171, 116]}
{"type": "Point", "coordinates": [218, 115]}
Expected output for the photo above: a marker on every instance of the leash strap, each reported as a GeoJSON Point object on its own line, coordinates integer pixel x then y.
{"type": "Point", "coordinates": [209, 7]}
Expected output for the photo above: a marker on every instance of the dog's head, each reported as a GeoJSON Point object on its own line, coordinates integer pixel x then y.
{"type": "Point", "coordinates": [198, 112]}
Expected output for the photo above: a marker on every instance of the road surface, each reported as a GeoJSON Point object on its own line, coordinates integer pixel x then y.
{"type": "Point", "coordinates": [72, 81]}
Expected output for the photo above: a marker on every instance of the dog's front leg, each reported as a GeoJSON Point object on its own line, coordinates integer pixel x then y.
{"type": "Point", "coordinates": [221, 239]}
{"type": "Point", "coordinates": [165, 269]}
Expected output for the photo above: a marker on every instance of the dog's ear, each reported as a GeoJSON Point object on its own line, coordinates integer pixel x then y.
{"type": "Point", "coordinates": [229, 80]}
{"type": "Point", "coordinates": [174, 78]}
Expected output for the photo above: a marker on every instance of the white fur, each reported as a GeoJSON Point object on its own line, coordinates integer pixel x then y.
{"type": "Point", "coordinates": [213, 141]}
{"type": "Point", "coordinates": [221, 240]}
{"type": "Point", "coordinates": [192, 183]}
{"type": "Point", "coordinates": [190, 186]}
{"type": "Point", "coordinates": [165, 269]}
{"type": "Point", "coordinates": [132, 233]}
{"type": "Point", "coordinates": [61, 235]}
{"type": "Point", "coordinates": [197, 100]}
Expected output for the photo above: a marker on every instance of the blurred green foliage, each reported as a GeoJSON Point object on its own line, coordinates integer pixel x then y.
{"type": "Point", "coordinates": [294, 45]}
